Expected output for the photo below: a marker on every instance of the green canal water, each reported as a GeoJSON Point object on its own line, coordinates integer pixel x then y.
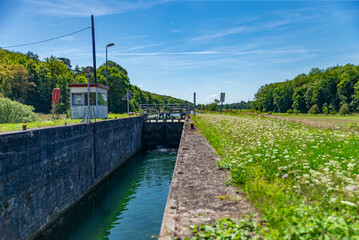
{"type": "Point", "coordinates": [129, 205]}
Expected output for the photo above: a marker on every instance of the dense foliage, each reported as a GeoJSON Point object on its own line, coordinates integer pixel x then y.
{"type": "Point", "coordinates": [216, 105]}
{"type": "Point", "coordinates": [304, 180]}
{"type": "Point", "coordinates": [329, 89]}
{"type": "Point", "coordinates": [26, 79]}
{"type": "Point", "coordinates": [15, 112]}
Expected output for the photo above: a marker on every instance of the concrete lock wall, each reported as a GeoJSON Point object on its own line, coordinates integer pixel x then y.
{"type": "Point", "coordinates": [167, 134]}
{"type": "Point", "coordinates": [44, 171]}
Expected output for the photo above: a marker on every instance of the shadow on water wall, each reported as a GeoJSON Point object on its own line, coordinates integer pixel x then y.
{"type": "Point", "coordinates": [129, 205]}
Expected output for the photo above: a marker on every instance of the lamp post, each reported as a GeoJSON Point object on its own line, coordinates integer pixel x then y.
{"type": "Point", "coordinates": [108, 45]}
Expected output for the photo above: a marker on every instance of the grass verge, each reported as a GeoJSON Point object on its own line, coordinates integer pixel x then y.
{"type": "Point", "coordinates": [45, 121]}
{"type": "Point", "coordinates": [304, 180]}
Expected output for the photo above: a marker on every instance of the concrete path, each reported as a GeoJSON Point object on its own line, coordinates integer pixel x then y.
{"type": "Point", "coordinates": [197, 187]}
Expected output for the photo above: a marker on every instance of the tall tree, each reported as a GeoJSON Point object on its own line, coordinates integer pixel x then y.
{"type": "Point", "coordinates": [14, 81]}
{"type": "Point", "coordinates": [27, 79]}
{"type": "Point", "coordinates": [118, 83]}
{"type": "Point", "coordinates": [66, 61]}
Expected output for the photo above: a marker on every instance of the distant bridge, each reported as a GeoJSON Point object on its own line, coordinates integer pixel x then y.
{"type": "Point", "coordinates": [165, 112]}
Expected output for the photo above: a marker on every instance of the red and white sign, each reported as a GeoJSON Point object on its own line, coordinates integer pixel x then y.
{"type": "Point", "coordinates": [56, 95]}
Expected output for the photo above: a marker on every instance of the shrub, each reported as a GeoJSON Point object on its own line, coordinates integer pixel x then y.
{"type": "Point", "coordinates": [332, 108]}
{"type": "Point", "coordinates": [326, 110]}
{"type": "Point", "coordinates": [314, 109]}
{"type": "Point", "coordinates": [15, 112]}
{"type": "Point", "coordinates": [344, 109]}
{"type": "Point", "coordinates": [295, 111]}
{"type": "Point", "coordinates": [333, 113]}
{"type": "Point", "coordinates": [290, 111]}
{"type": "Point", "coordinates": [353, 126]}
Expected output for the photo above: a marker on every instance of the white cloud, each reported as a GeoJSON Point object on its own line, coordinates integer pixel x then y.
{"type": "Point", "coordinates": [79, 8]}
{"type": "Point", "coordinates": [175, 30]}
{"type": "Point", "coordinates": [286, 19]}
{"type": "Point", "coordinates": [134, 37]}
{"type": "Point", "coordinates": [164, 53]}
{"type": "Point", "coordinates": [137, 47]}
{"type": "Point", "coordinates": [203, 62]}
{"type": "Point", "coordinates": [286, 50]}
{"type": "Point", "coordinates": [221, 33]}
{"type": "Point", "coordinates": [74, 54]}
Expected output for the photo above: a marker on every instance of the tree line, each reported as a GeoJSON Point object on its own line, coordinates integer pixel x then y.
{"type": "Point", "coordinates": [320, 90]}
{"type": "Point", "coordinates": [215, 105]}
{"type": "Point", "coordinates": [26, 79]}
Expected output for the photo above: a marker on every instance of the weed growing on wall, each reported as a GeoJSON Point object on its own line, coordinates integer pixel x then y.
{"type": "Point", "coordinates": [228, 229]}
{"type": "Point", "coordinates": [304, 180]}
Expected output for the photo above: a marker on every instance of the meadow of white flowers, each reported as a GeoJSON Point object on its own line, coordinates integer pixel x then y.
{"type": "Point", "coordinates": [281, 164]}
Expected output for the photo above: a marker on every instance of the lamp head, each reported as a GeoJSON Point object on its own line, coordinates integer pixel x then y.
{"type": "Point", "coordinates": [110, 45]}
{"type": "Point", "coordinates": [88, 71]}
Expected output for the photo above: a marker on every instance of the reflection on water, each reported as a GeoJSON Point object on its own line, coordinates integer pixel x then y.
{"type": "Point", "coordinates": [129, 205]}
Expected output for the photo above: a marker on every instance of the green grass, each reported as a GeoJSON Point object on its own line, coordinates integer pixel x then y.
{"type": "Point", "coordinates": [354, 117]}
{"type": "Point", "coordinates": [347, 122]}
{"type": "Point", "coordinates": [303, 180]}
{"type": "Point", "coordinates": [45, 121]}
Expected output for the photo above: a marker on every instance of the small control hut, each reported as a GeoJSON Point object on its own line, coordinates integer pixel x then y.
{"type": "Point", "coordinates": [98, 100]}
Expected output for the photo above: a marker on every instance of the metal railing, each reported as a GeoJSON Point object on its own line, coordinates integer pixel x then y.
{"type": "Point", "coordinates": [165, 112]}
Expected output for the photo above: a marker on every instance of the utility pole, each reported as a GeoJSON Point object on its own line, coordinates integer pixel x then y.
{"type": "Point", "coordinates": [88, 72]}
{"type": "Point", "coordinates": [93, 48]}
{"type": "Point", "coordinates": [194, 102]}
{"type": "Point", "coordinates": [222, 100]}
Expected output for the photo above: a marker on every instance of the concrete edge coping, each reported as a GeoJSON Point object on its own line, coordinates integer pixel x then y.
{"type": "Point", "coordinates": [184, 203]}
{"type": "Point", "coordinates": [57, 126]}
{"type": "Point", "coordinates": [168, 222]}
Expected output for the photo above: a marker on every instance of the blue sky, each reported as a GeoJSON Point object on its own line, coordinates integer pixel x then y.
{"type": "Point", "coordinates": [180, 47]}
